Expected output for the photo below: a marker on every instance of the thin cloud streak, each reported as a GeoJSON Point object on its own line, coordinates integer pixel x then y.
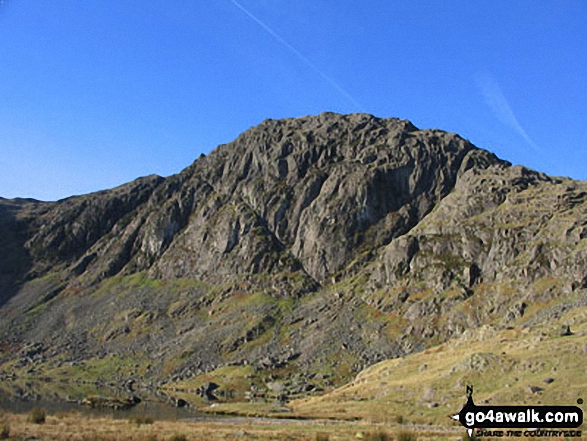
{"type": "Point", "coordinates": [301, 56]}
{"type": "Point", "coordinates": [495, 98]}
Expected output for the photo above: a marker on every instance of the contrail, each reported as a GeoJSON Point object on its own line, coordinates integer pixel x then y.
{"type": "Point", "coordinates": [301, 56]}
{"type": "Point", "coordinates": [501, 108]}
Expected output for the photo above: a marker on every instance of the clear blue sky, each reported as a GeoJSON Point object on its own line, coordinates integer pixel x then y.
{"type": "Point", "coordinates": [96, 93]}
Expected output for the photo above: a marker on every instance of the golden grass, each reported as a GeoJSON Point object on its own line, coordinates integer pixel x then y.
{"type": "Point", "coordinates": [72, 426]}
{"type": "Point", "coordinates": [414, 394]}
{"type": "Point", "coordinates": [501, 364]}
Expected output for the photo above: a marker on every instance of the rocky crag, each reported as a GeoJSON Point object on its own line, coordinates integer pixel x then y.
{"type": "Point", "coordinates": [289, 259]}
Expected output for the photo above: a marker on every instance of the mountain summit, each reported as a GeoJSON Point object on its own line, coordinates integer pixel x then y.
{"type": "Point", "coordinates": [315, 246]}
{"type": "Point", "coordinates": [297, 195]}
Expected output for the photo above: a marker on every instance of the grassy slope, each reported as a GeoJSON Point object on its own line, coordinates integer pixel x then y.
{"type": "Point", "coordinates": [72, 426]}
{"type": "Point", "coordinates": [500, 364]}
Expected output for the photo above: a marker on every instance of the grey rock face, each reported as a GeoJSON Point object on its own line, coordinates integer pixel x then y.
{"type": "Point", "coordinates": [302, 194]}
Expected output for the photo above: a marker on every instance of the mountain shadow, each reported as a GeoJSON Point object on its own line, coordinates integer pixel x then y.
{"type": "Point", "coordinates": [15, 260]}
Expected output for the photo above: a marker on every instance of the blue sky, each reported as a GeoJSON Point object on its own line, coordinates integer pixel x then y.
{"type": "Point", "coordinates": [96, 93]}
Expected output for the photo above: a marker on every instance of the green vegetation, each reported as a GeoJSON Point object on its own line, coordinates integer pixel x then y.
{"type": "Point", "coordinates": [4, 431]}
{"type": "Point", "coordinates": [384, 436]}
{"type": "Point", "coordinates": [139, 282]}
{"type": "Point", "coordinates": [85, 373]}
{"type": "Point", "coordinates": [249, 409]}
{"type": "Point", "coordinates": [231, 378]}
{"type": "Point", "coordinates": [140, 420]}
{"type": "Point", "coordinates": [405, 436]}
{"type": "Point", "coordinates": [37, 416]}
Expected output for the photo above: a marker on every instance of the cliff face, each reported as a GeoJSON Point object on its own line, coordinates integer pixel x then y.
{"type": "Point", "coordinates": [320, 243]}
{"type": "Point", "coordinates": [302, 194]}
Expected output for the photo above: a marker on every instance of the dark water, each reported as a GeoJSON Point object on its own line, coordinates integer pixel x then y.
{"type": "Point", "coordinates": [156, 407]}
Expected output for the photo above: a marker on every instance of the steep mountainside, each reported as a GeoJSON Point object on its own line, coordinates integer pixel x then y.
{"type": "Point", "coordinates": [306, 249]}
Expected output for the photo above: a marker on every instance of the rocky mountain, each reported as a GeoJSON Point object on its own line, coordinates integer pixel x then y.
{"type": "Point", "coordinates": [300, 253]}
